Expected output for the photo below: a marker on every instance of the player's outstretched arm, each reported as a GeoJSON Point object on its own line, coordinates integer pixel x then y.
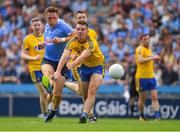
{"type": "Point", "coordinates": [85, 54]}
{"type": "Point", "coordinates": [61, 63]}
{"type": "Point", "coordinates": [58, 40]}
{"type": "Point", "coordinates": [26, 56]}
{"type": "Point", "coordinates": [142, 59]}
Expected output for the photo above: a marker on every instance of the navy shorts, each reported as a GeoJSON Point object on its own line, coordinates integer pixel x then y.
{"type": "Point", "coordinates": [87, 72]}
{"type": "Point", "coordinates": [54, 64]}
{"type": "Point", "coordinates": [36, 76]}
{"type": "Point", "coordinates": [147, 84]}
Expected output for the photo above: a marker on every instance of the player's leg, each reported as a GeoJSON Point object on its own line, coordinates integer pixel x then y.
{"type": "Point", "coordinates": [74, 87]}
{"type": "Point", "coordinates": [48, 72]}
{"type": "Point", "coordinates": [84, 92]}
{"type": "Point", "coordinates": [95, 82]}
{"type": "Point", "coordinates": [74, 76]}
{"type": "Point", "coordinates": [57, 96]}
{"type": "Point", "coordinates": [58, 85]}
{"type": "Point", "coordinates": [155, 103]}
{"type": "Point", "coordinates": [131, 104]}
{"type": "Point", "coordinates": [36, 77]}
{"type": "Point", "coordinates": [154, 96]}
{"type": "Point", "coordinates": [85, 85]}
{"type": "Point", "coordinates": [141, 103]}
{"type": "Point", "coordinates": [42, 99]}
{"type": "Point", "coordinates": [133, 97]}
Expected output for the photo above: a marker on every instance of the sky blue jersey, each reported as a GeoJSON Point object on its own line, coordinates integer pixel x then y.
{"type": "Point", "coordinates": [61, 29]}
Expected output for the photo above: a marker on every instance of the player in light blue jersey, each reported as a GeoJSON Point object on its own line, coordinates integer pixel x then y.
{"type": "Point", "coordinates": [56, 34]}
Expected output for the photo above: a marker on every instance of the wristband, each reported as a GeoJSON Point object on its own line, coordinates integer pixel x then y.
{"type": "Point", "coordinates": [63, 39]}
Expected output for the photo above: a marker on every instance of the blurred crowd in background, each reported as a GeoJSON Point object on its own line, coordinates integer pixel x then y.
{"type": "Point", "coordinates": [118, 24]}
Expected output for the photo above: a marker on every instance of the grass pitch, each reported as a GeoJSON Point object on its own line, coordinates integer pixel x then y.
{"type": "Point", "coordinates": [71, 124]}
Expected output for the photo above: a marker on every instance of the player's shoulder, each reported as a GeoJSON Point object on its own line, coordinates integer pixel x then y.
{"type": "Point", "coordinates": [139, 48]}
{"type": "Point", "coordinates": [91, 30]}
{"type": "Point", "coordinates": [61, 22]}
{"type": "Point", "coordinates": [29, 36]}
{"type": "Point", "coordinates": [72, 41]}
{"type": "Point", "coordinates": [92, 41]}
{"type": "Point", "coordinates": [91, 38]}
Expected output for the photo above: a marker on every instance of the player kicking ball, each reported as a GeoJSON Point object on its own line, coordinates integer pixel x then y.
{"type": "Point", "coordinates": [92, 68]}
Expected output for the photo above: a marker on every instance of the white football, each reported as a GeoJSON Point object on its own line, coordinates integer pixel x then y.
{"type": "Point", "coordinates": [116, 71]}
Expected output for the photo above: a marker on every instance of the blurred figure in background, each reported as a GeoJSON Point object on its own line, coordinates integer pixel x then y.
{"type": "Point", "coordinates": [132, 87]}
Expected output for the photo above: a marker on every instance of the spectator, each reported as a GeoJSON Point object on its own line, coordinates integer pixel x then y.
{"type": "Point", "coordinates": [25, 75]}
{"type": "Point", "coordinates": [10, 73]}
{"type": "Point", "coordinates": [112, 20]}
{"type": "Point", "coordinates": [169, 76]}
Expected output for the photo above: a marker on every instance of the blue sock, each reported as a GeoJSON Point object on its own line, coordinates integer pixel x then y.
{"type": "Point", "coordinates": [84, 114]}
{"type": "Point", "coordinates": [157, 114]}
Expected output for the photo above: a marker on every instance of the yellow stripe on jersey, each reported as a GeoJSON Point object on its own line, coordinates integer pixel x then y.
{"type": "Point", "coordinates": [33, 76]}
{"type": "Point", "coordinates": [91, 46]}
{"type": "Point", "coordinates": [103, 72]}
{"type": "Point", "coordinates": [30, 43]}
{"type": "Point", "coordinates": [76, 74]}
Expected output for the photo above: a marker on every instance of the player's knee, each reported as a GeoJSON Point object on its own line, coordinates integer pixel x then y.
{"type": "Point", "coordinates": [57, 94]}
{"type": "Point", "coordinates": [141, 100]}
{"type": "Point", "coordinates": [92, 92]}
{"type": "Point", "coordinates": [44, 94]}
{"type": "Point", "coordinates": [154, 98]}
{"type": "Point", "coordinates": [79, 92]}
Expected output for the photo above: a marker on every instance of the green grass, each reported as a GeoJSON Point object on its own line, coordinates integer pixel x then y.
{"type": "Point", "coordinates": [70, 124]}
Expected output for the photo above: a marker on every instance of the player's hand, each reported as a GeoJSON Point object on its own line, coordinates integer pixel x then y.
{"type": "Point", "coordinates": [57, 75]}
{"type": "Point", "coordinates": [74, 33]}
{"type": "Point", "coordinates": [156, 57]}
{"type": "Point", "coordinates": [58, 40]}
{"type": "Point", "coordinates": [48, 41]}
{"type": "Point", "coordinates": [37, 57]}
{"type": "Point", "coordinates": [73, 56]}
{"type": "Point", "coordinates": [69, 65]}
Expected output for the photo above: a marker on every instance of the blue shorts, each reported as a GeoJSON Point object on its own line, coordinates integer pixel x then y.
{"type": "Point", "coordinates": [36, 76]}
{"type": "Point", "coordinates": [147, 84]}
{"type": "Point", "coordinates": [74, 75]}
{"type": "Point", "coordinates": [87, 72]}
{"type": "Point", "coordinates": [54, 64]}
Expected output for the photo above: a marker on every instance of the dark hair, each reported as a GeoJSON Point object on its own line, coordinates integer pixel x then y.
{"type": "Point", "coordinates": [35, 19]}
{"type": "Point", "coordinates": [143, 35]}
{"type": "Point", "coordinates": [83, 23]}
{"type": "Point", "coordinates": [81, 11]}
{"type": "Point", "coordinates": [52, 9]}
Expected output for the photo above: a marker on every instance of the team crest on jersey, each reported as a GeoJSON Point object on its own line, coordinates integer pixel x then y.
{"type": "Point", "coordinates": [37, 48]}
